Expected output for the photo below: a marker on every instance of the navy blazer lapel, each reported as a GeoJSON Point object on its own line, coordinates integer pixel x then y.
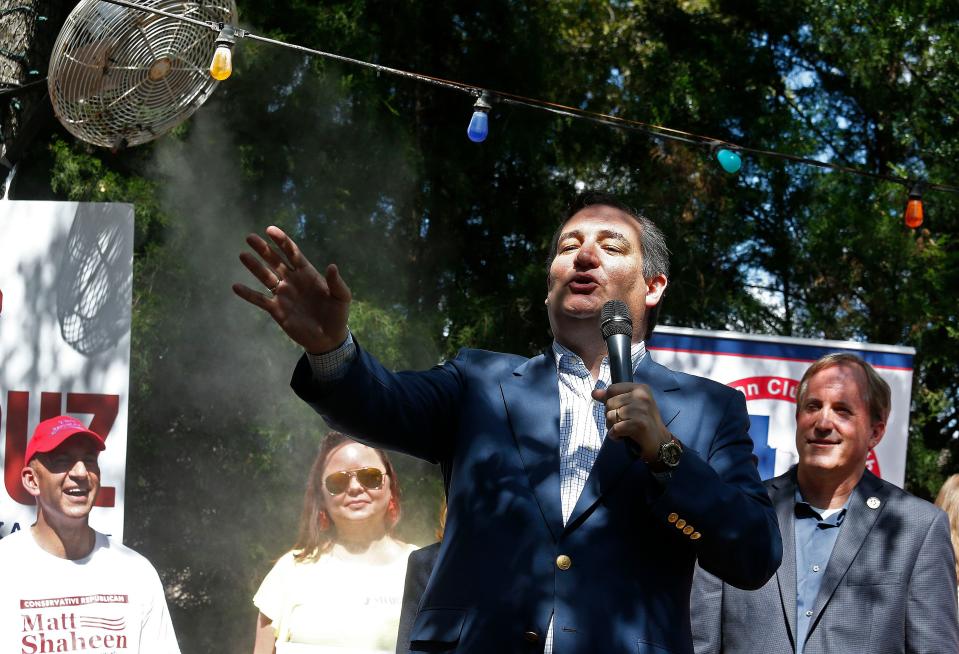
{"type": "Point", "coordinates": [784, 501]}
{"type": "Point", "coordinates": [614, 458]}
{"type": "Point", "coordinates": [531, 394]}
{"type": "Point", "coordinates": [663, 383]}
{"type": "Point", "coordinates": [856, 526]}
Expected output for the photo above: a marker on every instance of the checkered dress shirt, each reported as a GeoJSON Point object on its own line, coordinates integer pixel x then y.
{"type": "Point", "coordinates": [582, 420]}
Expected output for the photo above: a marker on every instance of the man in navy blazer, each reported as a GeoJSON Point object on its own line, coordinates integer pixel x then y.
{"type": "Point", "coordinates": [867, 567]}
{"type": "Point", "coordinates": [560, 537]}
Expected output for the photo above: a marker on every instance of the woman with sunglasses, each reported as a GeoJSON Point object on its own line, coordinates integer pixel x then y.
{"type": "Point", "coordinates": [340, 588]}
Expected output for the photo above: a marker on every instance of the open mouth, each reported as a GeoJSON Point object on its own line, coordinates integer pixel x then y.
{"type": "Point", "coordinates": [77, 492]}
{"type": "Point", "coordinates": [583, 284]}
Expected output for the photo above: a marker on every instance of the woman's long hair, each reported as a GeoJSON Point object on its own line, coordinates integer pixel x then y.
{"type": "Point", "coordinates": [317, 533]}
{"type": "Point", "coordinates": [948, 501]}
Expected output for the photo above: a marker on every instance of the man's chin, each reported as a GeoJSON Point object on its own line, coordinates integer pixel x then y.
{"type": "Point", "coordinates": [575, 315]}
{"type": "Point", "coordinates": [76, 516]}
{"type": "Point", "coordinates": [583, 306]}
{"type": "Point", "coordinates": [826, 463]}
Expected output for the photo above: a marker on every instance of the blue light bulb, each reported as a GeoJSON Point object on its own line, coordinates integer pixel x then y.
{"type": "Point", "coordinates": [729, 160]}
{"type": "Point", "coordinates": [479, 126]}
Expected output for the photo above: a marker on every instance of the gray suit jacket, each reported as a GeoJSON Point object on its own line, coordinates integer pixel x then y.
{"type": "Point", "coordinates": [890, 585]}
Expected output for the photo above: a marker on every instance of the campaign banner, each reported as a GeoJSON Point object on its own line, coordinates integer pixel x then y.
{"type": "Point", "coordinates": [767, 370]}
{"type": "Point", "coordinates": [66, 279]}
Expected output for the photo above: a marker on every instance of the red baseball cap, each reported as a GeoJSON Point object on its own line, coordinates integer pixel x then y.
{"type": "Point", "coordinates": [49, 434]}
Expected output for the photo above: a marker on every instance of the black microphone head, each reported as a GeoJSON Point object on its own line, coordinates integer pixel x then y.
{"type": "Point", "coordinates": [615, 319]}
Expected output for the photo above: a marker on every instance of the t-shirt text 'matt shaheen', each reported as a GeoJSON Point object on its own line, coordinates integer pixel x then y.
{"type": "Point", "coordinates": [78, 628]}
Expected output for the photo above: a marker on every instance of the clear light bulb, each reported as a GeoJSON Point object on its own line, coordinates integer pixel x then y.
{"type": "Point", "coordinates": [222, 65]}
{"type": "Point", "coordinates": [479, 126]}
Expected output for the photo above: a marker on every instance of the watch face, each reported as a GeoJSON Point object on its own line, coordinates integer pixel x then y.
{"type": "Point", "coordinates": [669, 453]}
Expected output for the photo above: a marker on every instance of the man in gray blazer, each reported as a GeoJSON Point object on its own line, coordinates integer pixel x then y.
{"type": "Point", "coordinates": [866, 566]}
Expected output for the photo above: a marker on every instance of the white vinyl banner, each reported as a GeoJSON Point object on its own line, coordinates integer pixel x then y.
{"type": "Point", "coordinates": [66, 278]}
{"type": "Point", "coordinates": [767, 370]}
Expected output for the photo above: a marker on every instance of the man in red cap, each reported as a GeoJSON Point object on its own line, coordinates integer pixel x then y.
{"type": "Point", "coordinates": [67, 587]}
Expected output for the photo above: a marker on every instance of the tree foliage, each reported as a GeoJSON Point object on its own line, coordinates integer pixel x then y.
{"type": "Point", "coordinates": [444, 241]}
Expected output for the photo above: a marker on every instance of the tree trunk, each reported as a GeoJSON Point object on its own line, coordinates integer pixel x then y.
{"type": "Point", "coordinates": [28, 29]}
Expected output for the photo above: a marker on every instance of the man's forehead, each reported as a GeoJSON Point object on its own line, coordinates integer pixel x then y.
{"type": "Point", "coordinates": [842, 376]}
{"type": "Point", "coordinates": [601, 216]}
{"type": "Point", "coordinates": [602, 233]}
{"type": "Point", "coordinates": [76, 444]}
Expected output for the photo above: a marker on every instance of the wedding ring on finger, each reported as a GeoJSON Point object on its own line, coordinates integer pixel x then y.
{"type": "Point", "coordinates": [273, 288]}
{"type": "Point", "coordinates": [616, 414]}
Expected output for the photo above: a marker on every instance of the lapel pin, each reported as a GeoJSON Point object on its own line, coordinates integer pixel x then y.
{"type": "Point", "coordinates": [873, 502]}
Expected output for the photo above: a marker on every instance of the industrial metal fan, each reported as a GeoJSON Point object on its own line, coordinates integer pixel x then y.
{"type": "Point", "coordinates": [121, 77]}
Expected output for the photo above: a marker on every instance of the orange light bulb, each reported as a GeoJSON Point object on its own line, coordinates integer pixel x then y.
{"type": "Point", "coordinates": [914, 212]}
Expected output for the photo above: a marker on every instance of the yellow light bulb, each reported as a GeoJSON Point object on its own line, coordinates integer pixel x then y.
{"type": "Point", "coordinates": [222, 65]}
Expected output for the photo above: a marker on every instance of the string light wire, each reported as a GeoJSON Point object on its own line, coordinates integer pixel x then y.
{"type": "Point", "coordinates": [659, 131]}
{"type": "Point", "coordinates": [22, 88]}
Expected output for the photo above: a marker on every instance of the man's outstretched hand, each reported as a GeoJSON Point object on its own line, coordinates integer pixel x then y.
{"type": "Point", "coordinates": [311, 308]}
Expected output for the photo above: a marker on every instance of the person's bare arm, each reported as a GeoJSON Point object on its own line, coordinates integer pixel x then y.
{"type": "Point", "coordinates": [265, 642]}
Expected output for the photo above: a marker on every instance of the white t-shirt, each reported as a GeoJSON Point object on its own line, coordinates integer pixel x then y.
{"type": "Point", "coordinates": [110, 602]}
{"type": "Point", "coordinates": [333, 605]}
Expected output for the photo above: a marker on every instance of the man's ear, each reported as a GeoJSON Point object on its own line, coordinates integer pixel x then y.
{"type": "Point", "coordinates": [878, 431]}
{"type": "Point", "coordinates": [28, 477]}
{"type": "Point", "coordinates": [655, 287]}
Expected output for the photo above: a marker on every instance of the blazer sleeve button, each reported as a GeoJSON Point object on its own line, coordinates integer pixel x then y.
{"type": "Point", "coordinates": [672, 517]}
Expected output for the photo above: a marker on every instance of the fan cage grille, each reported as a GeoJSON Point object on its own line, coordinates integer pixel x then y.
{"type": "Point", "coordinates": [122, 77]}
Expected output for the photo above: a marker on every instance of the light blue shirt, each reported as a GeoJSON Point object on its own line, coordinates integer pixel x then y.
{"type": "Point", "coordinates": [815, 538]}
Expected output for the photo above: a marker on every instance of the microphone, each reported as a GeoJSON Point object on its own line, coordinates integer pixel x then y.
{"type": "Point", "coordinates": [617, 328]}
